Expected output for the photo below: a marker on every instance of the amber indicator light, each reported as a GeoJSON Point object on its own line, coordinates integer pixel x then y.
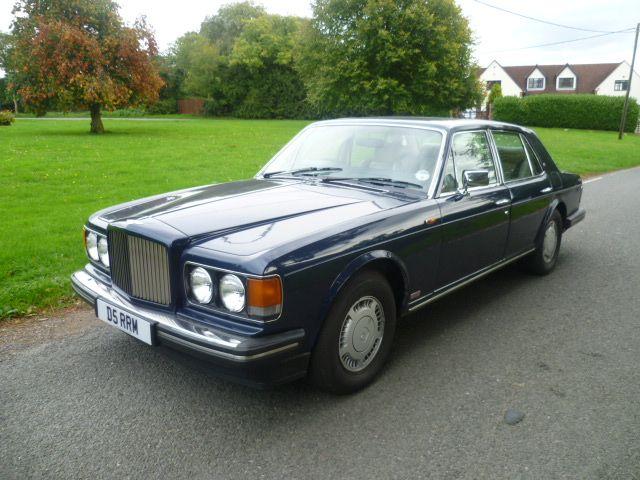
{"type": "Point", "coordinates": [264, 292]}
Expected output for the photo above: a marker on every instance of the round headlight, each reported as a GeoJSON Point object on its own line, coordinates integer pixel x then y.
{"type": "Point", "coordinates": [103, 251]}
{"type": "Point", "coordinates": [92, 246]}
{"type": "Point", "coordinates": [201, 285]}
{"type": "Point", "coordinates": [232, 293]}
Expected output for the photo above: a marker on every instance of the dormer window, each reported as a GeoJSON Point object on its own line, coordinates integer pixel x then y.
{"type": "Point", "coordinates": [535, 83]}
{"type": "Point", "coordinates": [566, 83]}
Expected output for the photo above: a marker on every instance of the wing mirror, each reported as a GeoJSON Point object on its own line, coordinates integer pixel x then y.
{"type": "Point", "coordinates": [475, 178]}
{"type": "Point", "coordinates": [472, 178]}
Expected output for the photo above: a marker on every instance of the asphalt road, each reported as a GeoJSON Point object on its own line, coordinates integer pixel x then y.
{"type": "Point", "coordinates": [564, 350]}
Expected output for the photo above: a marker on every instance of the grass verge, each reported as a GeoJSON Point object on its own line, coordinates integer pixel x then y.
{"type": "Point", "coordinates": [53, 175]}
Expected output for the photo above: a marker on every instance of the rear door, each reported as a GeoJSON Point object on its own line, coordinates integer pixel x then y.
{"type": "Point", "coordinates": [475, 225]}
{"type": "Point", "coordinates": [529, 185]}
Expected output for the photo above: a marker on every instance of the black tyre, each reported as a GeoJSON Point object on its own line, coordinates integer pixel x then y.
{"type": "Point", "coordinates": [545, 257]}
{"type": "Point", "coordinates": [356, 338]}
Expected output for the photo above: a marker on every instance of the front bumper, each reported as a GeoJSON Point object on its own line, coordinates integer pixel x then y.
{"type": "Point", "coordinates": [260, 361]}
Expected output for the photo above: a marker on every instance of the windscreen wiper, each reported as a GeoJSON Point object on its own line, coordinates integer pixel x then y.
{"type": "Point", "coordinates": [302, 171]}
{"type": "Point", "coordinates": [375, 181]}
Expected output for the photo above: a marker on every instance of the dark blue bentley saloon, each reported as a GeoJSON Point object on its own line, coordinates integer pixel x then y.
{"type": "Point", "coordinates": [305, 269]}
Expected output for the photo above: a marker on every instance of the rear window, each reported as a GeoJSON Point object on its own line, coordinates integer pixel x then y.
{"type": "Point", "coordinates": [513, 156]}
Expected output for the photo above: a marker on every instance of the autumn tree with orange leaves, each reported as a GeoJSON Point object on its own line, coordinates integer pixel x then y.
{"type": "Point", "coordinates": [79, 54]}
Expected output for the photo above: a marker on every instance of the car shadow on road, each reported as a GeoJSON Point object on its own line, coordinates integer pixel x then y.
{"type": "Point", "coordinates": [412, 333]}
{"type": "Point", "coordinates": [456, 308]}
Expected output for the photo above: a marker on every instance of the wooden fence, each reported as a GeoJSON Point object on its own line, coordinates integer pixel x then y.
{"type": "Point", "coordinates": [192, 106]}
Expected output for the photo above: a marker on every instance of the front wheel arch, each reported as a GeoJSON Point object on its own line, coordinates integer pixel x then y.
{"type": "Point", "coordinates": [383, 261]}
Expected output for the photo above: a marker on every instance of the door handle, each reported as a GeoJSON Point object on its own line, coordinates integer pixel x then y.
{"type": "Point", "coordinates": [502, 201]}
{"type": "Point", "coordinates": [546, 190]}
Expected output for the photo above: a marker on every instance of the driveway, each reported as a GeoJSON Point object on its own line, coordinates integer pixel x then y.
{"type": "Point", "coordinates": [563, 349]}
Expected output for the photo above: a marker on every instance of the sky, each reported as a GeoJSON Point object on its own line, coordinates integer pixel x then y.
{"type": "Point", "coordinates": [498, 35]}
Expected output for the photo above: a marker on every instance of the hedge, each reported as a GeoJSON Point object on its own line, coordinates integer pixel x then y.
{"type": "Point", "coordinates": [588, 112]}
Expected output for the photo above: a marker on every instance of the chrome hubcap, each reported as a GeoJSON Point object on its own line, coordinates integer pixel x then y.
{"type": "Point", "coordinates": [361, 334]}
{"type": "Point", "coordinates": [550, 242]}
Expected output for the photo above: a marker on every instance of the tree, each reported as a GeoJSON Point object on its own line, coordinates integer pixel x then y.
{"type": "Point", "coordinates": [223, 28]}
{"type": "Point", "coordinates": [7, 94]}
{"type": "Point", "coordinates": [263, 57]}
{"type": "Point", "coordinates": [366, 57]}
{"type": "Point", "coordinates": [199, 62]}
{"type": "Point", "coordinates": [242, 62]}
{"type": "Point", "coordinates": [79, 54]}
{"type": "Point", "coordinates": [494, 93]}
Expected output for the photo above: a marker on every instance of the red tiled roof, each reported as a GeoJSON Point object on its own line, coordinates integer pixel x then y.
{"type": "Point", "coordinates": [589, 76]}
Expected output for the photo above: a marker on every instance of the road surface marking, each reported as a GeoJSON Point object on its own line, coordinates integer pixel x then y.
{"type": "Point", "coordinates": [592, 180]}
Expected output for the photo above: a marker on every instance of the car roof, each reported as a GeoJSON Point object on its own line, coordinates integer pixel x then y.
{"type": "Point", "coordinates": [436, 122]}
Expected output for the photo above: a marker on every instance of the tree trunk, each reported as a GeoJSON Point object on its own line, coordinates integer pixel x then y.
{"type": "Point", "coordinates": [15, 105]}
{"type": "Point", "coordinates": [96, 119]}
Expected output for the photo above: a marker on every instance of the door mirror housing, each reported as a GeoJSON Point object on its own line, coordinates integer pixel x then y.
{"type": "Point", "coordinates": [475, 178]}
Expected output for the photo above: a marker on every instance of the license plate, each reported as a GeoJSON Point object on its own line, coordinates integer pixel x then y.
{"type": "Point", "coordinates": [126, 321]}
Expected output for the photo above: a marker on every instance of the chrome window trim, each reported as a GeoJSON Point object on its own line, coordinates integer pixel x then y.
{"type": "Point", "coordinates": [222, 310]}
{"type": "Point", "coordinates": [432, 185]}
{"type": "Point", "coordinates": [540, 163]}
{"type": "Point", "coordinates": [498, 169]}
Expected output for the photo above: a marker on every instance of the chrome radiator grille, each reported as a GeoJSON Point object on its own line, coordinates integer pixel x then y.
{"type": "Point", "coordinates": [140, 267]}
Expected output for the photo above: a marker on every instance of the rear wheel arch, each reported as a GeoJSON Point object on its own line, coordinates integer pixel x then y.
{"type": "Point", "coordinates": [562, 209]}
{"type": "Point", "coordinates": [555, 205]}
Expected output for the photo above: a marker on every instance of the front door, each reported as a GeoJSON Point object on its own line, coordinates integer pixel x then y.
{"type": "Point", "coordinates": [475, 224]}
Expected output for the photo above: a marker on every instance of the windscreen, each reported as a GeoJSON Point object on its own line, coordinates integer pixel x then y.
{"type": "Point", "coordinates": [362, 152]}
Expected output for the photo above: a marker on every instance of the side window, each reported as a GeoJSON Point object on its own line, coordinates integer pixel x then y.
{"type": "Point", "coordinates": [513, 156]}
{"type": "Point", "coordinates": [470, 151]}
{"type": "Point", "coordinates": [535, 161]}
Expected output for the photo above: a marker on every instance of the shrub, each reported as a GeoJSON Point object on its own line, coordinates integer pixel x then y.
{"type": "Point", "coordinates": [163, 107]}
{"type": "Point", "coordinates": [127, 112]}
{"type": "Point", "coordinates": [6, 117]}
{"type": "Point", "coordinates": [588, 112]}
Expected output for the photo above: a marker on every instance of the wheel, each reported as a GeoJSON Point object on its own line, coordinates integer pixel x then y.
{"type": "Point", "coordinates": [356, 337]}
{"type": "Point", "coordinates": [543, 260]}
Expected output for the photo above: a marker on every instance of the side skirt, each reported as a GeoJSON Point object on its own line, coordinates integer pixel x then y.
{"type": "Point", "coordinates": [465, 281]}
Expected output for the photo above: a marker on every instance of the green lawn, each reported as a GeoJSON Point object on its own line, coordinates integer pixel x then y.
{"type": "Point", "coordinates": [53, 174]}
{"type": "Point", "coordinates": [590, 152]}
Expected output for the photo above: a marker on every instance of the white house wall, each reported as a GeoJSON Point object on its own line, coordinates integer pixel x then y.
{"type": "Point", "coordinates": [620, 73]}
{"type": "Point", "coordinates": [495, 72]}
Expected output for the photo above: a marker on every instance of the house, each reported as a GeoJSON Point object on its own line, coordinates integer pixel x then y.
{"type": "Point", "coordinates": [593, 78]}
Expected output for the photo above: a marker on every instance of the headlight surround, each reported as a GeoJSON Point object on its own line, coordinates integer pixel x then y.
{"type": "Point", "coordinates": [253, 297]}
{"type": "Point", "coordinates": [92, 246]}
{"type": "Point", "coordinates": [201, 285]}
{"type": "Point", "coordinates": [103, 251]}
{"type": "Point", "coordinates": [232, 293]}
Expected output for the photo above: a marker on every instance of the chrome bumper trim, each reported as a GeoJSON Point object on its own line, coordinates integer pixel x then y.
{"type": "Point", "coordinates": [191, 335]}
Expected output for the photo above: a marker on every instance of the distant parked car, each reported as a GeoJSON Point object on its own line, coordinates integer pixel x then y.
{"type": "Point", "coordinates": [305, 268]}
